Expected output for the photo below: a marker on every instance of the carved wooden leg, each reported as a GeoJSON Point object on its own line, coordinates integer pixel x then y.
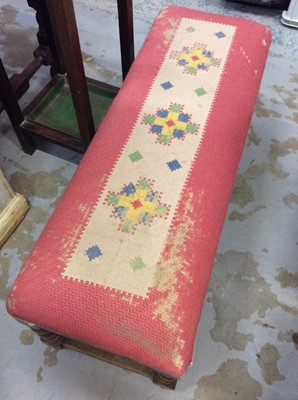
{"type": "Point", "coordinates": [125, 17]}
{"type": "Point", "coordinates": [13, 110]}
{"type": "Point", "coordinates": [49, 338]}
{"type": "Point", "coordinates": [46, 36]}
{"type": "Point", "coordinates": [164, 380]}
{"type": "Point", "coordinates": [58, 341]}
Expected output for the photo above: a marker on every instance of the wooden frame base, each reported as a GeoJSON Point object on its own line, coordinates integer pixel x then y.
{"type": "Point", "coordinates": [61, 342]}
{"type": "Point", "coordinates": [13, 212]}
{"type": "Point", "coordinates": [12, 216]}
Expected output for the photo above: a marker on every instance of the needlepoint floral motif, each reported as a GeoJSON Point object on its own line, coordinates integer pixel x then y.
{"type": "Point", "coordinates": [136, 204]}
{"type": "Point", "coordinates": [195, 58]}
{"type": "Point", "coordinates": [171, 123]}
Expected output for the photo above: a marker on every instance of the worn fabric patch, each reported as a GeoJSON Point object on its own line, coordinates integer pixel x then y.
{"type": "Point", "coordinates": [128, 229]}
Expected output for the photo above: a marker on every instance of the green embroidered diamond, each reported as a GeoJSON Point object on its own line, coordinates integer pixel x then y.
{"type": "Point", "coordinates": [161, 209]}
{"type": "Point", "coordinates": [200, 91]}
{"type": "Point", "coordinates": [112, 198]}
{"type": "Point", "coordinates": [164, 139]}
{"type": "Point", "coordinates": [137, 263]}
{"type": "Point", "coordinates": [144, 184]}
{"type": "Point", "coordinates": [190, 29]}
{"type": "Point", "coordinates": [149, 119]}
{"type": "Point", "coordinates": [214, 62]}
{"type": "Point", "coordinates": [192, 128]}
{"type": "Point", "coordinates": [175, 108]}
{"type": "Point", "coordinates": [191, 70]}
{"type": "Point", "coordinates": [128, 226]}
{"type": "Point", "coordinates": [136, 156]}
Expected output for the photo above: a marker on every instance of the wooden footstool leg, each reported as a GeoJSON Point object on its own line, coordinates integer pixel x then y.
{"type": "Point", "coordinates": [164, 380]}
{"type": "Point", "coordinates": [49, 338]}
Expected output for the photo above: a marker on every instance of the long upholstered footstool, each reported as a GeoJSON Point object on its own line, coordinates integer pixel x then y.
{"type": "Point", "coordinates": [122, 267]}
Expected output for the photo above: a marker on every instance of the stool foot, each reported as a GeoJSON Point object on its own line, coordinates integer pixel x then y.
{"type": "Point", "coordinates": [295, 337]}
{"type": "Point", "coordinates": [164, 380]}
{"type": "Point", "coordinates": [49, 338]}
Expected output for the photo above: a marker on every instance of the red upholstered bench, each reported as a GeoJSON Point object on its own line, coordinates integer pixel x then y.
{"type": "Point", "coordinates": [122, 267]}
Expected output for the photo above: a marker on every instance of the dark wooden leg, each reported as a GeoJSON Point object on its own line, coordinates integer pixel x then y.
{"type": "Point", "coordinates": [46, 37]}
{"type": "Point", "coordinates": [63, 16]}
{"type": "Point", "coordinates": [49, 338]}
{"type": "Point", "coordinates": [164, 380]}
{"type": "Point", "coordinates": [13, 110]}
{"type": "Point", "coordinates": [125, 16]}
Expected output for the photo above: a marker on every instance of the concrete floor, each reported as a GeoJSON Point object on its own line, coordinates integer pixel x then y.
{"type": "Point", "coordinates": [244, 344]}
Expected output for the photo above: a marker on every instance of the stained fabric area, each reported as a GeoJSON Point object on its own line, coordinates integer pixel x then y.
{"type": "Point", "coordinates": [247, 345]}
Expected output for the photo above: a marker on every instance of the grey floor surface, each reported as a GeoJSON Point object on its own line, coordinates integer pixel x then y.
{"type": "Point", "coordinates": [244, 345]}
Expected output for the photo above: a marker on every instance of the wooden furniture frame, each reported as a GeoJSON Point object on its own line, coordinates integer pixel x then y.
{"type": "Point", "coordinates": [13, 208]}
{"type": "Point", "coordinates": [59, 48]}
{"type": "Point", "coordinates": [61, 342]}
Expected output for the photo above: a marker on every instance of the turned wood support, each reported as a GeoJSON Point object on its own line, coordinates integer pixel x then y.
{"type": "Point", "coordinates": [49, 338]}
{"type": "Point", "coordinates": [47, 53]}
{"type": "Point", "coordinates": [46, 37]}
{"type": "Point", "coordinates": [163, 380]}
{"type": "Point", "coordinates": [55, 340]}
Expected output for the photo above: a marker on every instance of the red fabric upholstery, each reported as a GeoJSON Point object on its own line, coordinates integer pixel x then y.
{"type": "Point", "coordinates": [157, 329]}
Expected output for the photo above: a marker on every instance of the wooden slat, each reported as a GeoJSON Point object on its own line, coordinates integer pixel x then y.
{"type": "Point", "coordinates": [12, 211]}
{"type": "Point", "coordinates": [11, 216]}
